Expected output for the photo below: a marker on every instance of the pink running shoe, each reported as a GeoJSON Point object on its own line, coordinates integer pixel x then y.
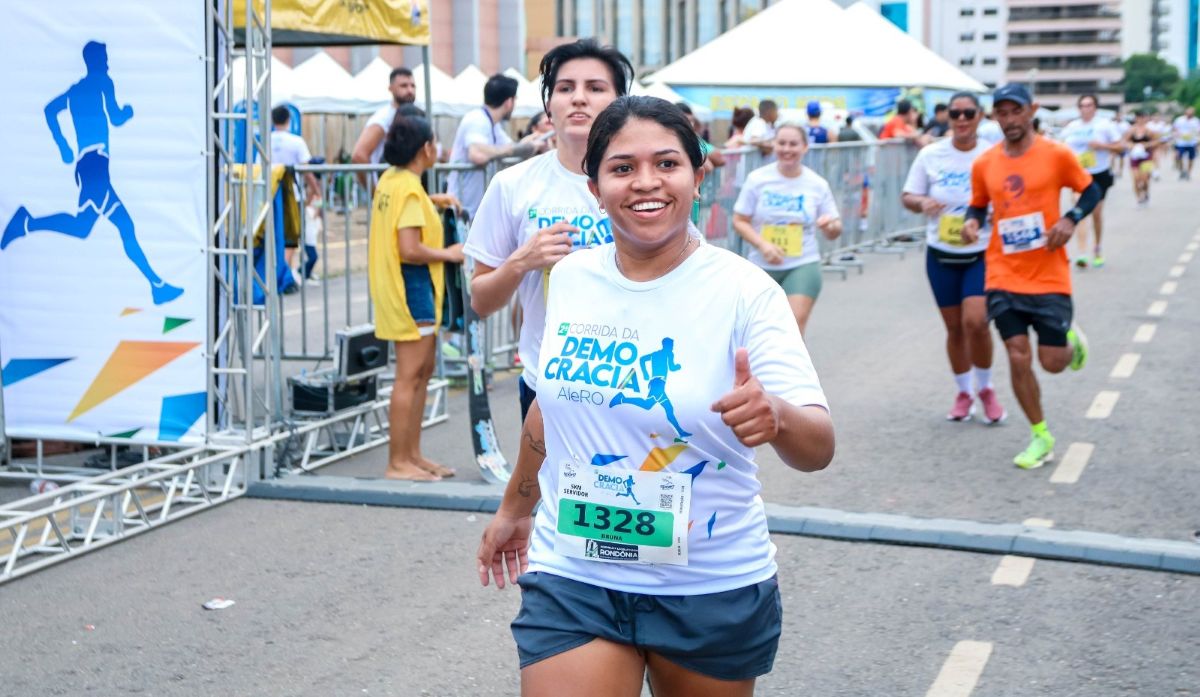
{"type": "Point", "coordinates": [963, 407]}
{"type": "Point", "coordinates": [993, 412]}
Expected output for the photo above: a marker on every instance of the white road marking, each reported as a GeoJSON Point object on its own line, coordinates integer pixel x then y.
{"type": "Point", "coordinates": [961, 670]}
{"type": "Point", "coordinates": [1145, 333]}
{"type": "Point", "coordinates": [1169, 288]}
{"type": "Point", "coordinates": [1014, 571]}
{"type": "Point", "coordinates": [1072, 464]}
{"type": "Point", "coordinates": [1185, 257]}
{"type": "Point", "coordinates": [1193, 246]}
{"type": "Point", "coordinates": [1157, 308]}
{"type": "Point", "coordinates": [1176, 271]}
{"type": "Point", "coordinates": [1102, 405]}
{"type": "Point", "coordinates": [1125, 366]}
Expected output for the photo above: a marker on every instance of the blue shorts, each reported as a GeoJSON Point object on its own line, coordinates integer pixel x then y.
{"type": "Point", "coordinates": [729, 636]}
{"type": "Point", "coordinates": [526, 394]}
{"type": "Point", "coordinates": [954, 277]}
{"type": "Point", "coordinates": [418, 293]}
{"type": "Point", "coordinates": [95, 188]}
{"type": "Point", "coordinates": [1188, 151]}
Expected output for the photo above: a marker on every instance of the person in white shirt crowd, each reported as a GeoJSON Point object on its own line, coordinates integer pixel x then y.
{"type": "Point", "coordinates": [761, 129]}
{"type": "Point", "coordinates": [537, 212]}
{"type": "Point", "coordinates": [539, 125]}
{"type": "Point", "coordinates": [1186, 130]}
{"type": "Point", "coordinates": [1094, 140]}
{"type": "Point", "coordinates": [939, 187]}
{"type": "Point", "coordinates": [289, 150]}
{"type": "Point", "coordinates": [481, 138]}
{"type": "Point", "coordinates": [650, 555]}
{"type": "Point", "coordinates": [779, 211]}
{"type": "Point", "coordinates": [368, 150]}
{"type": "Point", "coordinates": [989, 131]}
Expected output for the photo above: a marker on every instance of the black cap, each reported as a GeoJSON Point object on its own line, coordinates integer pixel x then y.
{"type": "Point", "coordinates": [1012, 92]}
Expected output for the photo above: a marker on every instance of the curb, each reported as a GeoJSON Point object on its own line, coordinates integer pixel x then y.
{"type": "Point", "coordinates": [887, 528]}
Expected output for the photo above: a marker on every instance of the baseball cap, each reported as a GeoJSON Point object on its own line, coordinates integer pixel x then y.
{"type": "Point", "coordinates": [814, 108]}
{"type": "Point", "coordinates": [1012, 92]}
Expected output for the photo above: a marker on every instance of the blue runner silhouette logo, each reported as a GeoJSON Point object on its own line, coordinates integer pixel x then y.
{"type": "Point", "coordinates": [91, 104]}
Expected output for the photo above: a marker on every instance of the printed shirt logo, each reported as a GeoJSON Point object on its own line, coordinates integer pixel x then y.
{"type": "Point", "coordinates": [783, 203]}
{"type": "Point", "coordinates": [592, 230]}
{"type": "Point", "coordinates": [592, 356]}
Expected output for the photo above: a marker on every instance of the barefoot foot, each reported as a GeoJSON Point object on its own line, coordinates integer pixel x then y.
{"type": "Point", "coordinates": [436, 469]}
{"type": "Point", "coordinates": [408, 471]}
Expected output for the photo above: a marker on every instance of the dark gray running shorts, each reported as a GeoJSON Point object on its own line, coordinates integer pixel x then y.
{"type": "Point", "coordinates": [731, 635]}
{"type": "Point", "coordinates": [1014, 313]}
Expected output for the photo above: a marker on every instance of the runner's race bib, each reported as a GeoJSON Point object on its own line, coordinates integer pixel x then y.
{"type": "Point", "coordinates": [1023, 233]}
{"type": "Point", "coordinates": [950, 229]}
{"type": "Point", "coordinates": [788, 237]}
{"type": "Point", "coordinates": [1087, 159]}
{"type": "Point", "coordinates": [622, 516]}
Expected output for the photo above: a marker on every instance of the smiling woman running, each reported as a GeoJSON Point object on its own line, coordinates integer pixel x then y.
{"type": "Point", "coordinates": [651, 551]}
{"type": "Point", "coordinates": [778, 212]}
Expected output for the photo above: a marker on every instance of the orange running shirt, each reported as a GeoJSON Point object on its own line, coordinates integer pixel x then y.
{"type": "Point", "coordinates": [1019, 189]}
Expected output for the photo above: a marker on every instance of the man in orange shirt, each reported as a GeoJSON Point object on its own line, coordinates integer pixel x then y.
{"type": "Point", "coordinates": [1028, 279]}
{"type": "Point", "coordinates": [903, 124]}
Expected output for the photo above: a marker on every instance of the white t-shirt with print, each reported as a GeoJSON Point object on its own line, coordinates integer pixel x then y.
{"type": "Point", "coordinates": [943, 172]}
{"type": "Point", "coordinates": [604, 336]}
{"type": "Point", "coordinates": [770, 198]}
{"type": "Point", "coordinates": [288, 149]}
{"type": "Point", "coordinates": [1079, 133]}
{"type": "Point", "coordinates": [1187, 131]}
{"type": "Point", "coordinates": [521, 200]}
{"type": "Point", "coordinates": [476, 128]}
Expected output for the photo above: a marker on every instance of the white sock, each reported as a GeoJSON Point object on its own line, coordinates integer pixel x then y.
{"type": "Point", "coordinates": [983, 378]}
{"type": "Point", "coordinates": [964, 382]}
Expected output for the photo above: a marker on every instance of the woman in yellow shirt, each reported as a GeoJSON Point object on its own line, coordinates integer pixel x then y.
{"type": "Point", "coordinates": [406, 252]}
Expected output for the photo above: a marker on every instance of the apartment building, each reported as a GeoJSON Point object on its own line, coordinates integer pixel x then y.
{"type": "Point", "coordinates": [652, 33]}
{"type": "Point", "coordinates": [1064, 49]}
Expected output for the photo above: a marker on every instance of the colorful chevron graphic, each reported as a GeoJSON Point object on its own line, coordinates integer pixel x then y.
{"type": "Point", "coordinates": [129, 363]}
{"type": "Point", "coordinates": [659, 458]}
{"type": "Point", "coordinates": [178, 414]}
{"type": "Point", "coordinates": [18, 369]}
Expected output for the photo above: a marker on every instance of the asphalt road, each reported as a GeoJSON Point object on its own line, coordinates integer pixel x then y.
{"type": "Point", "coordinates": [345, 600]}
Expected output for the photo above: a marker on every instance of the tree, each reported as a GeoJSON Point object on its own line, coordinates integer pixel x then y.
{"type": "Point", "coordinates": [1148, 70]}
{"type": "Point", "coordinates": [1187, 92]}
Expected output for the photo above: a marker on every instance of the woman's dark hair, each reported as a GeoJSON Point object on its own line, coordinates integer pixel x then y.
{"type": "Point", "coordinates": [533, 124]}
{"type": "Point", "coordinates": [966, 95]}
{"type": "Point", "coordinates": [618, 65]}
{"type": "Point", "coordinates": [405, 139]}
{"type": "Point", "coordinates": [614, 118]}
{"type": "Point", "coordinates": [1095, 101]}
{"type": "Point", "coordinates": [741, 117]}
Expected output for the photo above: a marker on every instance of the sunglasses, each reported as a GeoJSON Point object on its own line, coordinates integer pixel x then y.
{"type": "Point", "coordinates": [967, 114]}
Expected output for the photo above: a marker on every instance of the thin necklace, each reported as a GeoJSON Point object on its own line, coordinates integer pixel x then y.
{"type": "Point", "coordinates": [687, 242]}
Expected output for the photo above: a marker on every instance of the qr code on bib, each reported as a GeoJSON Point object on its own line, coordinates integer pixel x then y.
{"type": "Point", "coordinates": [666, 501]}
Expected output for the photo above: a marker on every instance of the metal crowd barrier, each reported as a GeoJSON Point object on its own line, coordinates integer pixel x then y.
{"type": "Point", "coordinates": [866, 179]}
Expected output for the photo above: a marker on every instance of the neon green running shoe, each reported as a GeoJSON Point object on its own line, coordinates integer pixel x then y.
{"type": "Point", "coordinates": [1098, 262]}
{"type": "Point", "coordinates": [1079, 347]}
{"type": "Point", "coordinates": [1039, 452]}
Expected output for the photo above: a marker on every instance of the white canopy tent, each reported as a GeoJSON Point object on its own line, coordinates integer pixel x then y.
{"type": "Point", "coordinates": [281, 80]}
{"type": "Point", "coordinates": [662, 91]}
{"type": "Point", "coordinates": [797, 50]}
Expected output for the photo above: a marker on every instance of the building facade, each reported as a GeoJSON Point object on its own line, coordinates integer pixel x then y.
{"type": "Point", "coordinates": [652, 33]}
